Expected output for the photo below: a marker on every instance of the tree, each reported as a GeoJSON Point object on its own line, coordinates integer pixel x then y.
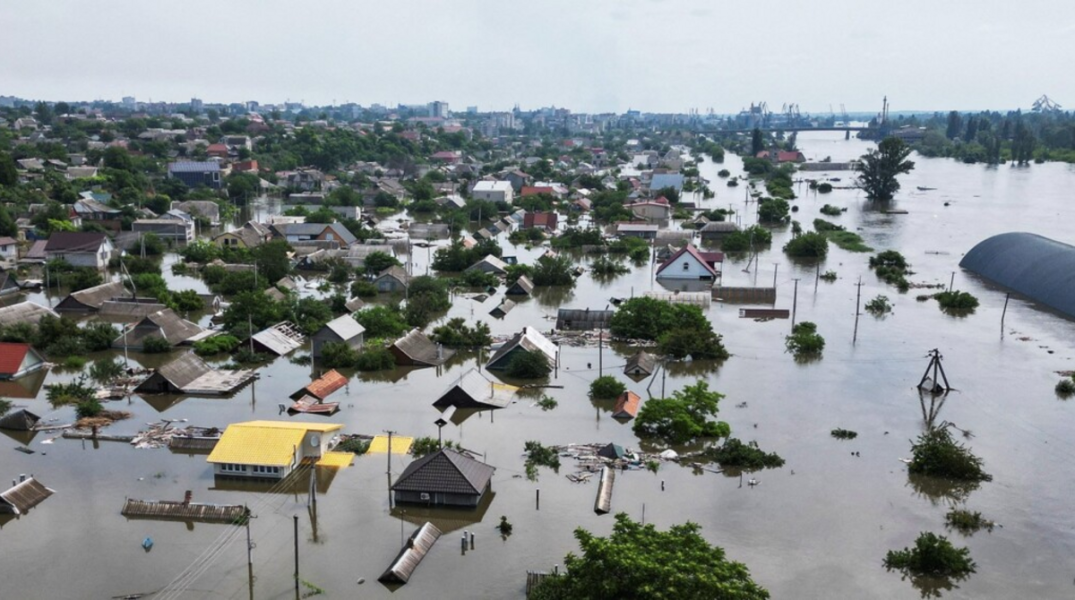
{"type": "Point", "coordinates": [378, 261]}
{"type": "Point", "coordinates": [936, 454]}
{"type": "Point", "coordinates": [879, 168]}
{"type": "Point", "coordinates": [554, 270]}
{"type": "Point", "coordinates": [955, 125]}
{"type": "Point", "coordinates": [272, 259]}
{"type": "Point", "coordinates": [682, 418]}
{"type": "Point", "coordinates": [9, 176]}
{"type": "Point", "coordinates": [606, 387]}
{"type": "Point", "coordinates": [642, 318]}
{"type": "Point", "coordinates": [529, 365]}
{"type": "Point", "coordinates": [932, 556]}
{"type": "Point", "coordinates": [381, 321]}
{"type": "Point", "coordinates": [756, 142]}
{"type": "Point", "coordinates": [7, 224]}
{"type": "Point", "coordinates": [639, 561]}
{"type": "Point", "coordinates": [1023, 144]}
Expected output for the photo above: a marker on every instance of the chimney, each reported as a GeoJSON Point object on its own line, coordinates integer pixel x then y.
{"type": "Point", "coordinates": [440, 351]}
{"type": "Point", "coordinates": [187, 497]}
{"type": "Point", "coordinates": [22, 477]}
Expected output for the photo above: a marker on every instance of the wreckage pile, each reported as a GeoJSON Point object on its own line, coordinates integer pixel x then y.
{"type": "Point", "coordinates": [159, 435]}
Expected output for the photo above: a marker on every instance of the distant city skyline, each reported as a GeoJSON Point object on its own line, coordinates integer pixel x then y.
{"type": "Point", "coordinates": [593, 57]}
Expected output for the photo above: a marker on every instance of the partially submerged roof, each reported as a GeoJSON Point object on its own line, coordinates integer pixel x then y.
{"type": "Point", "coordinates": [411, 554]}
{"type": "Point", "coordinates": [92, 298]}
{"type": "Point", "coordinates": [474, 390]}
{"type": "Point", "coordinates": [19, 420]}
{"type": "Point", "coordinates": [1034, 266]}
{"type": "Point", "coordinates": [612, 451]}
{"type": "Point", "coordinates": [24, 312]}
{"type": "Point", "coordinates": [582, 319]}
{"type": "Point", "coordinates": [267, 443]}
{"type": "Point", "coordinates": [12, 355]}
{"type": "Point", "coordinates": [640, 363]}
{"type": "Point", "coordinates": [530, 340]}
{"type": "Point", "coordinates": [704, 259]}
{"type": "Point", "coordinates": [323, 386]}
{"type": "Point", "coordinates": [23, 496]}
{"type": "Point", "coordinates": [419, 348]}
{"type": "Point", "coordinates": [490, 264]}
{"type": "Point", "coordinates": [280, 339]}
{"type": "Point", "coordinates": [346, 327]}
{"type": "Point", "coordinates": [127, 308]}
{"type": "Point", "coordinates": [522, 287]}
{"type": "Point", "coordinates": [626, 406]}
{"type": "Point", "coordinates": [445, 471]}
{"type": "Point", "coordinates": [192, 375]}
{"type": "Point", "coordinates": [165, 324]}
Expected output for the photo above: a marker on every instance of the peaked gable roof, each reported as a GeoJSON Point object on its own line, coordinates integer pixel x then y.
{"type": "Point", "coordinates": [75, 241]}
{"type": "Point", "coordinates": [12, 356]}
{"type": "Point", "coordinates": [692, 252]}
{"type": "Point", "coordinates": [530, 340]}
{"type": "Point", "coordinates": [445, 471]}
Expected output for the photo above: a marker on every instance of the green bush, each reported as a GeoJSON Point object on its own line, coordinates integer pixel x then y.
{"type": "Point", "coordinates": [824, 188]}
{"type": "Point", "coordinates": [932, 556]}
{"type": "Point", "coordinates": [355, 445]}
{"type": "Point", "coordinates": [966, 522]}
{"type": "Point", "coordinates": [823, 226]}
{"type": "Point", "coordinates": [529, 365]}
{"type": "Point", "coordinates": [748, 457]}
{"type": "Point", "coordinates": [832, 211]}
{"type": "Point", "coordinates": [381, 322]}
{"type": "Point", "coordinates": [739, 241]}
{"type": "Point", "coordinates": [604, 266]}
{"type": "Point", "coordinates": [699, 344]}
{"type": "Point", "coordinates": [936, 454]}
{"type": "Point", "coordinates": [74, 362]}
{"type": "Point", "coordinates": [457, 334]}
{"type": "Point", "coordinates": [773, 210]}
{"type": "Point", "coordinates": [879, 306]}
{"type": "Point", "coordinates": [337, 355]}
{"type": "Point", "coordinates": [804, 340]}
{"type": "Point", "coordinates": [606, 387]}
{"type": "Point", "coordinates": [844, 434]}
{"type": "Point", "coordinates": [956, 302]}
{"type": "Point", "coordinates": [377, 358]}
{"type": "Point", "coordinates": [216, 345]}
{"type": "Point", "coordinates": [848, 240]}
{"type": "Point", "coordinates": [89, 407]}
{"type": "Point", "coordinates": [364, 289]}
{"type": "Point", "coordinates": [682, 418]}
{"type": "Point", "coordinates": [154, 344]}
{"type": "Point", "coordinates": [1065, 388]}
{"type": "Point", "coordinates": [808, 245]}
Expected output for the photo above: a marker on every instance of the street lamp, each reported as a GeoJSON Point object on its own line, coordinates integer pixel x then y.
{"type": "Point", "coordinates": [440, 423]}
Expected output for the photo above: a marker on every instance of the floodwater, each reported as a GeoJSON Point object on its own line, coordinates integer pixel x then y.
{"type": "Point", "coordinates": [816, 528]}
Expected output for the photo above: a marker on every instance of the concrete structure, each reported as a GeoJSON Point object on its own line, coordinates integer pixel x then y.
{"type": "Point", "coordinates": [493, 191]}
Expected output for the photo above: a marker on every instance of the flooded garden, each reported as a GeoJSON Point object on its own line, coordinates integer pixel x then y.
{"type": "Point", "coordinates": [817, 527]}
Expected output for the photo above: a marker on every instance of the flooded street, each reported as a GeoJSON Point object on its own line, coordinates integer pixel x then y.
{"type": "Point", "coordinates": [817, 528]}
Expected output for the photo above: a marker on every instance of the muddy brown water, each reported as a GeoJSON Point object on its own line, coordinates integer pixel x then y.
{"type": "Point", "coordinates": [816, 528]}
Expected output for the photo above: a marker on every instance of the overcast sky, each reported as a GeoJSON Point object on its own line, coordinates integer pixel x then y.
{"type": "Point", "coordinates": [586, 55]}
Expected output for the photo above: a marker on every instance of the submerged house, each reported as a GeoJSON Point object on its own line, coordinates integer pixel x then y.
{"type": "Point", "coordinates": [8, 283]}
{"type": "Point", "coordinates": [522, 287]}
{"type": "Point", "coordinates": [526, 341]}
{"type": "Point", "coordinates": [490, 264]}
{"type": "Point", "coordinates": [272, 449]}
{"type": "Point", "coordinates": [626, 406]}
{"type": "Point", "coordinates": [444, 478]}
{"type": "Point", "coordinates": [91, 299]}
{"type": "Point", "coordinates": [573, 319]}
{"type": "Point", "coordinates": [164, 324]}
{"type": "Point", "coordinates": [189, 374]}
{"type": "Point", "coordinates": [416, 350]}
{"type": "Point", "coordinates": [640, 364]}
{"type": "Point", "coordinates": [412, 553]}
{"type": "Point", "coordinates": [280, 339]}
{"type": "Point", "coordinates": [344, 330]}
{"type": "Point", "coordinates": [691, 263]}
{"type": "Point", "coordinates": [79, 249]}
{"type": "Point", "coordinates": [474, 390]}
{"type": "Point", "coordinates": [323, 386]}
{"type": "Point", "coordinates": [393, 280]}
{"type": "Point", "coordinates": [24, 312]}
{"type": "Point", "coordinates": [17, 360]}
{"type": "Point", "coordinates": [23, 496]}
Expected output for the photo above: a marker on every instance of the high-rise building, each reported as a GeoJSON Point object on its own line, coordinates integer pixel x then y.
{"type": "Point", "coordinates": [196, 105]}
{"type": "Point", "coordinates": [471, 110]}
{"type": "Point", "coordinates": [129, 102]}
{"type": "Point", "coordinates": [438, 109]}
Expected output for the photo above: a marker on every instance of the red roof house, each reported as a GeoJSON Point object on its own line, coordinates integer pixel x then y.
{"type": "Point", "coordinates": [17, 360]}
{"type": "Point", "coordinates": [782, 156]}
{"type": "Point", "coordinates": [217, 150]}
{"type": "Point", "coordinates": [626, 406]}
{"type": "Point", "coordinates": [547, 220]}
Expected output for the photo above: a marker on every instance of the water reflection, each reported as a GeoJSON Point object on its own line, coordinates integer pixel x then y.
{"type": "Point", "coordinates": [941, 491]}
{"type": "Point", "coordinates": [929, 586]}
{"type": "Point", "coordinates": [553, 297]}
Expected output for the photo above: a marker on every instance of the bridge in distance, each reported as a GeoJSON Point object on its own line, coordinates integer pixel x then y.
{"type": "Point", "coordinates": [784, 129]}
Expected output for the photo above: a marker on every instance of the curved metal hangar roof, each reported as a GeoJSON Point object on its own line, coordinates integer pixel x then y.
{"type": "Point", "coordinates": [1027, 263]}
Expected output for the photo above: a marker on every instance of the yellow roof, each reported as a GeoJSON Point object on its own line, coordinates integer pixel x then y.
{"type": "Point", "coordinates": [336, 459]}
{"type": "Point", "coordinates": [400, 444]}
{"type": "Point", "coordinates": [269, 443]}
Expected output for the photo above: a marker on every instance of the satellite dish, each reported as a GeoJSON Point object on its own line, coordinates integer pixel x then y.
{"type": "Point", "coordinates": [315, 441]}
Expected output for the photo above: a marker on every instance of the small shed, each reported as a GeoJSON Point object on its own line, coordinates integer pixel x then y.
{"type": "Point", "coordinates": [411, 555]}
{"type": "Point", "coordinates": [574, 319]}
{"type": "Point", "coordinates": [527, 340]}
{"type": "Point", "coordinates": [393, 280]}
{"type": "Point", "coordinates": [626, 406]}
{"type": "Point", "coordinates": [343, 329]}
{"type": "Point", "coordinates": [91, 299]}
{"type": "Point", "coordinates": [23, 496]}
{"type": "Point", "coordinates": [640, 364]}
{"type": "Point", "coordinates": [280, 339]}
{"type": "Point", "coordinates": [165, 324]}
{"type": "Point", "coordinates": [18, 359]}
{"type": "Point", "coordinates": [490, 264]}
{"type": "Point", "coordinates": [416, 350]}
{"type": "Point", "coordinates": [474, 390]}
{"type": "Point", "coordinates": [444, 478]}
{"type": "Point", "coordinates": [612, 452]}
{"type": "Point", "coordinates": [502, 309]}
{"type": "Point", "coordinates": [522, 287]}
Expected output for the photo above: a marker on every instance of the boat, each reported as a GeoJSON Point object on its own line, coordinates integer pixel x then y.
{"type": "Point", "coordinates": [923, 188]}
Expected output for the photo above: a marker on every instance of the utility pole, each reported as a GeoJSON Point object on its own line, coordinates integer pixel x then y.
{"type": "Point", "coordinates": [296, 521]}
{"type": "Point", "coordinates": [817, 276]}
{"type": "Point", "coordinates": [952, 282]}
{"type": "Point", "coordinates": [1004, 313]}
{"type": "Point", "coordinates": [858, 299]}
{"type": "Point", "coordinates": [390, 433]}
{"type": "Point", "coordinates": [795, 304]}
{"type": "Point", "coordinates": [776, 268]}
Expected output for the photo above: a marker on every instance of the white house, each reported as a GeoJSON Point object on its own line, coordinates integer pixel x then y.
{"type": "Point", "coordinates": [79, 249]}
{"type": "Point", "coordinates": [271, 449]}
{"type": "Point", "coordinates": [690, 263]}
{"type": "Point", "coordinates": [9, 249]}
{"type": "Point", "coordinates": [493, 191]}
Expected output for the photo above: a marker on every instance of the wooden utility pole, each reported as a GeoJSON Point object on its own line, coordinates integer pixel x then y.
{"type": "Point", "coordinates": [858, 300]}
{"type": "Point", "coordinates": [817, 275]}
{"type": "Point", "coordinates": [1004, 313]}
{"type": "Point", "coordinates": [795, 303]}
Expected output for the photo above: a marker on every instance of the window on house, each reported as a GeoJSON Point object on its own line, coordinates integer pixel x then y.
{"type": "Point", "coordinates": [686, 266]}
{"type": "Point", "coordinates": [423, 496]}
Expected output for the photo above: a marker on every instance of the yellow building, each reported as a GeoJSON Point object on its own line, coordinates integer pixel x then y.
{"type": "Point", "coordinates": [273, 449]}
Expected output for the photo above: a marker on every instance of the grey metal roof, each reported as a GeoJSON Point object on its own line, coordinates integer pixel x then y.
{"type": "Point", "coordinates": [528, 339]}
{"type": "Point", "coordinates": [280, 339]}
{"type": "Point", "coordinates": [420, 348]}
{"type": "Point", "coordinates": [447, 472]}
{"type": "Point", "coordinates": [503, 308]}
{"type": "Point", "coordinates": [480, 390]}
{"type": "Point", "coordinates": [96, 296]}
{"type": "Point", "coordinates": [411, 554]}
{"type": "Point", "coordinates": [24, 312]}
{"type": "Point", "coordinates": [75, 241]}
{"type": "Point", "coordinates": [183, 370]}
{"type": "Point", "coordinates": [663, 180]}
{"type": "Point", "coordinates": [642, 362]}
{"type": "Point", "coordinates": [19, 420]}
{"type": "Point", "coordinates": [1037, 267]}
{"type": "Point", "coordinates": [119, 308]}
{"type": "Point", "coordinates": [522, 287]}
{"type": "Point", "coordinates": [719, 227]}
{"type": "Point", "coordinates": [163, 323]}
{"type": "Point", "coordinates": [24, 496]}
{"type": "Point", "coordinates": [193, 167]}
{"type": "Point", "coordinates": [582, 319]}
{"type": "Point", "coordinates": [346, 327]}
